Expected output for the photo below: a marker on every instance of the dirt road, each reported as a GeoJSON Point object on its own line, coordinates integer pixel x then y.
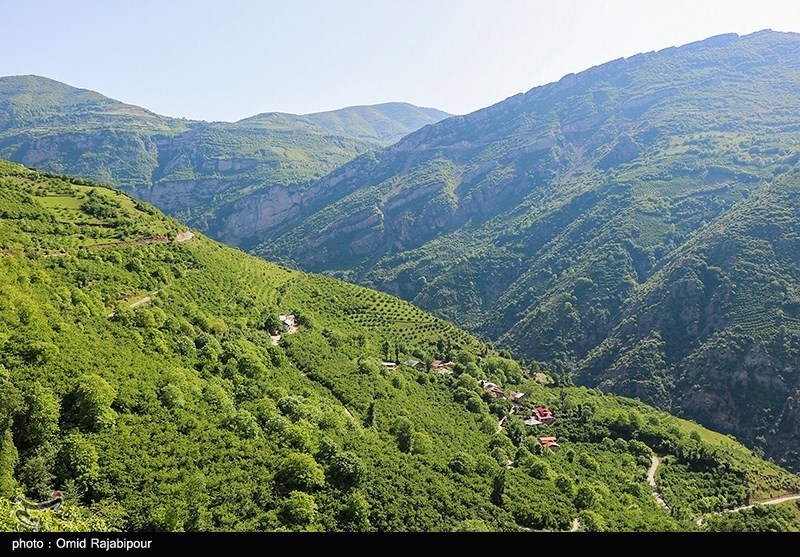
{"type": "Point", "coordinates": [651, 479]}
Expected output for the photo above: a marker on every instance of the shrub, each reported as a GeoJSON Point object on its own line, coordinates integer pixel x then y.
{"type": "Point", "coordinates": [89, 403]}
{"type": "Point", "coordinates": [299, 471]}
{"type": "Point", "coordinates": [298, 509]}
{"type": "Point", "coordinates": [585, 497]}
{"type": "Point", "coordinates": [462, 464]}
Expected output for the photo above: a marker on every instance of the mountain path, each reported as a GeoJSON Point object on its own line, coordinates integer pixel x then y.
{"type": "Point", "coordinates": [137, 303]}
{"type": "Point", "coordinates": [773, 501]}
{"type": "Point", "coordinates": [651, 479]}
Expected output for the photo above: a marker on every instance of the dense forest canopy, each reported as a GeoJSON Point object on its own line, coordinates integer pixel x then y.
{"type": "Point", "coordinates": [147, 375]}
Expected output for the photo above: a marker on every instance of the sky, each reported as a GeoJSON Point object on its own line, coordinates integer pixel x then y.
{"type": "Point", "coordinates": [227, 60]}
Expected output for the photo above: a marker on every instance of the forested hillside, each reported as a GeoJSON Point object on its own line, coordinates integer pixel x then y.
{"type": "Point", "coordinates": [147, 375]}
{"type": "Point", "coordinates": [634, 224]}
{"type": "Point", "coordinates": [195, 170]}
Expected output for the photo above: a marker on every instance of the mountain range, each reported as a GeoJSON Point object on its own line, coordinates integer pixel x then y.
{"type": "Point", "coordinates": [190, 169]}
{"type": "Point", "coordinates": [633, 227]}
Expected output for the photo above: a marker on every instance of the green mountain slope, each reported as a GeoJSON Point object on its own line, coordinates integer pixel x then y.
{"type": "Point", "coordinates": [542, 221]}
{"type": "Point", "coordinates": [385, 123]}
{"type": "Point", "coordinates": [715, 330]}
{"type": "Point", "coordinates": [140, 376]}
{"type": "Point", "coordinates": [189, 168]}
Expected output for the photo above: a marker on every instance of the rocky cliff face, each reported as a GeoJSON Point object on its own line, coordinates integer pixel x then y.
{"type": "Point", "coordinates": [234, 180]}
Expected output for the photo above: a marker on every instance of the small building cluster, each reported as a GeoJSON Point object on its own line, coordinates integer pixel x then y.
{"type": "Point", "coordinates": [289, 327]}
{"type": "Point", "coordinates": [516, 397]}
{"type": "Point", "coordinates": [539, 416]}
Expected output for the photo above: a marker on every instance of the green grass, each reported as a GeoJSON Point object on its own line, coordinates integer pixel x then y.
{"type": "Point", "coordinates": [710, 437]}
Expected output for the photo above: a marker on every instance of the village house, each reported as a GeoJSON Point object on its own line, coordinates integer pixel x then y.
{"type": "Point", "coordinates": [438, 364]}
{"type": "Point", "coordinates": [391, 366]}
{"type": "Point", "coordinates": [416, 364]}
{"type": "Point", "coordinates": [544, 415]}
{"type": "Point", "coordinates": [288, 322]}
{"type": "Point", "coordinates": [532, 421]}
{"type": "Point", "coordinates": [549, 443]}
{"type": "Point", "coordinates": [442, 367]}
{"type": "Point", "coordinates": [516, 397]}
{"type": "Point", "coordinates": [492, 389]}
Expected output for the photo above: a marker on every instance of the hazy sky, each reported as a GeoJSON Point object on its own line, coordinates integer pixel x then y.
{"type": "Point", "coordinates": [225, 60]}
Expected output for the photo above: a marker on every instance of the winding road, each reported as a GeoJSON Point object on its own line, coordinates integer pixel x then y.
{"type": "Point", "coordinates": [651, 479]}
{"type": "Point", "coordinates": [774, 501]}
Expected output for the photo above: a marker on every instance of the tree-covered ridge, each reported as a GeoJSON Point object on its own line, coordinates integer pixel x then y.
{"type": "Point", "coordinates": [715, 331]}
{"type": "Point", "coordinates": [544, 223]}
{"type": "Point", "coordinates": [142, 380]}
{"type": "Point", "coordinates": [190, 168]}
{"type": "Point", "coordinates": [384, 123]}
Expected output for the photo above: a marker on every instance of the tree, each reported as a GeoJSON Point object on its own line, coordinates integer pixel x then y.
{"type": "Point", "coordinates": [539, 468]}
{"type": "Point", "coordinates": [198, 517]}
{"type": "Point", "coordinates": [565, 485]}
{"type": "Point", "coordinates": [402, 429]}
{"type": "Point", "coordinates": [272, 324]}
{"type": "Point", "coordinates": [356, 510]}
{"type": "Point", "coordinates": [89, 403]}
{"type": "Point", "coordinates": [498, 488]}
{"type": "Point", "coordinates": [476, 405]}
{"type": "Point", "coordinates": [77, 460]}
{"type": "Point", "coordinates": [37, 421]}
{"type": "Point", "coordinates": [298, 509]}
{"type": "Point", "coordinates": [421, 443]}
{"type": "Point", "coordinates": [473, 525]}
{"type": "Point", "coordinates": [468, 382]}
{"type": "Point", "coordinates": [299, 471]}
{"type": "Point", "coordinates": [500, 456]}
{"type": "Point", "coordinates": [345, 470]}
{"type": "Point", "coordinates": [245, 424]}
{"type": "Point", "coordinates": [8, 461]}
{"type": "Point", "coordinates": [34, 472]}
{"type": "Point", "coordinates": [515, 431]}
{"type": "Point", "coordinates": [591, 521]}
{"type": "Point", "coordinates": [369, 419]}
{"type": "Point", "coordinates": [462, 464]}
{"type": "Point", "coordinates": [586, 460]}
{"type": "Point", "coordinates": [585, 497]}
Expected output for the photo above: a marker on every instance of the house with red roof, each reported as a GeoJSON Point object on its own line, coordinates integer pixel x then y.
{"type": "Point", "coordinates": [544, 415]}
